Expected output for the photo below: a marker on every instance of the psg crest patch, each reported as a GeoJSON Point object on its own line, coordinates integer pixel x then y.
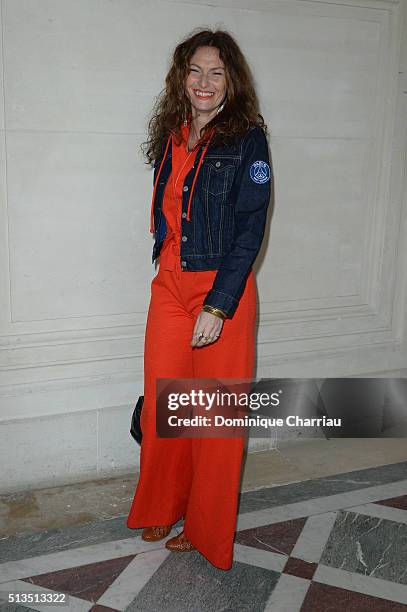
{"type": "Point", "coordinates": [260, 172]}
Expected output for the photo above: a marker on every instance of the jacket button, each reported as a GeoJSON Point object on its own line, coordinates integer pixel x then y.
{"type": "Point", "coordinates": [186, 188]}
{"type": "Point", "coordinates": [184, 238]}
{"type": "Point", "coordinates": [217, 164]}
{"type": "Point", "coordinates": [184, 215]}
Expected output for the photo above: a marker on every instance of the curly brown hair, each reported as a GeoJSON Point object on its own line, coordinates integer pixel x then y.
{"type": "Point", "coordinates": [241, 109]}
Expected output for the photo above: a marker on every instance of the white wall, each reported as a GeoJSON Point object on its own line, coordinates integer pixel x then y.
{"type": "Point", "coordinates": [78, 81]}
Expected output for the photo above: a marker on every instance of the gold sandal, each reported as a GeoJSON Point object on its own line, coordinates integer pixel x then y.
{"type": "Point", "coordinates": [152, 534]}
{"type": "Point", "coordinates": [179, 543]}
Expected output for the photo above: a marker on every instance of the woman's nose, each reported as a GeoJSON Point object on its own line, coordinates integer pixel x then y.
{"type": "Point", "coordinates": [204, 80]}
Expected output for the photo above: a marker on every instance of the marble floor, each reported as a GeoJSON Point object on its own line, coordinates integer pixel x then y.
{"type": "Point", "coordinates": [333, 543]}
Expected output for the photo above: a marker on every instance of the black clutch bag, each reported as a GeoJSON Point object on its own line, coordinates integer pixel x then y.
{"type": "Point", "coordinates": [135, 427]}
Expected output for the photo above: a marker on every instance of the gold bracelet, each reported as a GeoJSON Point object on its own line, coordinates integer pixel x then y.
{"type": "Point", "coordinates": [216, 311]}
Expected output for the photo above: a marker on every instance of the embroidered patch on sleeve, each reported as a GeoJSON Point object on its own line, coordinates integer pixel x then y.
{"type": "Point", "coordinates": [260, 172]}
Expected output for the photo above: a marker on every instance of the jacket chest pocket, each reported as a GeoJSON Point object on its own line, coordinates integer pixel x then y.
{"type": "Point", "coordinates": [218, 178]}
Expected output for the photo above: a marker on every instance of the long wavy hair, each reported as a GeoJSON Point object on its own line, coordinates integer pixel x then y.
{"type": "Point", "coordinates": [172, 106]}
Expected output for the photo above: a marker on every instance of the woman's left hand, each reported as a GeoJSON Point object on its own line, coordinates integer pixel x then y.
{"type": "Point", "coordinates": [209, 325]}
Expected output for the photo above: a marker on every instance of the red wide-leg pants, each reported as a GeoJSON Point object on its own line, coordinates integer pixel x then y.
{"type": "Point", "coordinates": [194, 478]}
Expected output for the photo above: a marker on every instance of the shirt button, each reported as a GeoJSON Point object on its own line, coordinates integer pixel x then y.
{"type": "Point", "coordinates": [184, 214]}
{"type": "Point", "coordinates": [217, 164]}
{"type": "Point", "coordinates": [184, 238]}
{"type": "Point", "coordinates": [186, 188]}
{"type": "Point", "coordinates": [183, 264]}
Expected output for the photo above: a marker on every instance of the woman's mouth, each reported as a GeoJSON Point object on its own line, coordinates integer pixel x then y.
{"type": "Point", "coordinates": [203, 94]}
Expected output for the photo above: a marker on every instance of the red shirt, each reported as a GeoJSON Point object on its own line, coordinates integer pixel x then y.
{"type": "Point", "coordinates": [182, 162]}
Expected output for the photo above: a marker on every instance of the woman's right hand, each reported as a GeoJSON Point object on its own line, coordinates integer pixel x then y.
{"type": "Point", "coordinates": [208, 325]}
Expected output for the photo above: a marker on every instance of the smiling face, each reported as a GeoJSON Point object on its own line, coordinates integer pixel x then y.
{"type": "Point", "coordinates": [205, 84]}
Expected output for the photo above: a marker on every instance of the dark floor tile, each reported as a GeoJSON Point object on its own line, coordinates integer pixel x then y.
{"type": "Point", "coordinates": [278, 537]}
{"type": "Point", "coordinates": [189, 583]}
{"type": "Point", "coordinates": [394, 502]}
{"type": "Point", "coordinates": [24, 546]}
{"type": "Point", "coordinates": [86, 581]}
{"type": "Point", "coordinates": [368, 545]}
{"type": "Point", "coordinates": [323, 598]}
{"type": "Point", "coordinates": [300, 568]}
{"type": "Point", "coordinates": [328, 485]}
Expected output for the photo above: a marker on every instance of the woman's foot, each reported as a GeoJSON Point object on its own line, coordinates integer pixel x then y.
{"type": "Point", "coordinates": [179, 543]}
{"type": "Point", "coordinates": [152, 534]}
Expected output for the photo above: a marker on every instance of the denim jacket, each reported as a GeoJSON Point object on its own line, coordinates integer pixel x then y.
{"type": "Point", "coordinates": [227, 215]}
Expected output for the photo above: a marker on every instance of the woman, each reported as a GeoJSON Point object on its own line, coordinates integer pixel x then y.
{"type": "Point", "coordinates": [211, 193]}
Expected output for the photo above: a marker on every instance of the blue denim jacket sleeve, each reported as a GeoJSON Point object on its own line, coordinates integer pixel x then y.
{"type": "Point", "coordinates": [251, 194]}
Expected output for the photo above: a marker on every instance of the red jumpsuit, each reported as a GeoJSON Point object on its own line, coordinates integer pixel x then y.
{"type": "Point", "coordinates": [194, 478]}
